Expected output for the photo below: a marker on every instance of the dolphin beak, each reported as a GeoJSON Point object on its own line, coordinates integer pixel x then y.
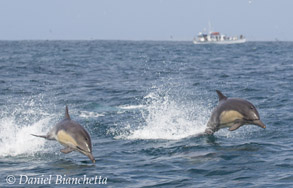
{"type": "Point", "coordinates": [90, 155]}
{"type": "Point", "coordinates": [259, 123]}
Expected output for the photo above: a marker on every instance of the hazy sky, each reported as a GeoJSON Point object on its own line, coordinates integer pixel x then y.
{"type": "Point", "coordinates": [144, 19]}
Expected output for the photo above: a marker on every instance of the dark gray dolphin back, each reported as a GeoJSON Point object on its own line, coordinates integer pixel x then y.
{"type": "Point", "coordinates": [242, 106]}
{"type": "Point", "coordinates": [232, 113]}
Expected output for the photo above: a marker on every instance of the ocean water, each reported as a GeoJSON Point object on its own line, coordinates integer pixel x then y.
{"type": "Point", "coordinates": [145, 105]}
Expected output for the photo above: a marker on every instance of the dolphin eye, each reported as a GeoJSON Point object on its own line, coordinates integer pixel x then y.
{"type": "Point", "coordinates": [251, 107]}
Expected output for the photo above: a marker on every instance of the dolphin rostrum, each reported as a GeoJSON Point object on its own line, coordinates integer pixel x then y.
{"type": "Point", "coordinates": [232, 113]}
{"type": "Point", "coordinates": [72, 136]}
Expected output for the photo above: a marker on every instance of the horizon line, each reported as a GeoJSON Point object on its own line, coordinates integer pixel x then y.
{"type": "Point", "coordinates": [133, 40]}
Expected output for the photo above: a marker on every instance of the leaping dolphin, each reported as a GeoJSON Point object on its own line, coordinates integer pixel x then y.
{"type": "Point", "coordinates": [232, 113]}
{"type": "Point", "coordinates": [71, 135]}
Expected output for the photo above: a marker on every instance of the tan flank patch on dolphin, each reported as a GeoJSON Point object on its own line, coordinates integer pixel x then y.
{"type": "Point", "coordinates": [230, 116]}
{"type": "Point", "coordinates": [65, 138]}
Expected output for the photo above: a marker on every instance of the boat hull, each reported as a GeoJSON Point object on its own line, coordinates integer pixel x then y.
{"type": "Point", "coordinates": [221, 42]}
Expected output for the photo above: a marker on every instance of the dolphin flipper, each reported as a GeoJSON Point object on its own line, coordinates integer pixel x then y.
{"type": "Point", "coordinates": [235, 126]}
{"type": "Point", "coordinates": [67, 150]}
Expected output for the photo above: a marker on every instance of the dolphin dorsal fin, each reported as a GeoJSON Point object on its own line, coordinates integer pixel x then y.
{"type": "Point", "coordinates": [221, 96]}
{"type": "Point", "coordinates": [66, 113]}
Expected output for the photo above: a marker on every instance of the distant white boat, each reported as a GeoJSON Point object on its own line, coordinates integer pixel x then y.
{"type": "Point", "coordinates": [217, 38]}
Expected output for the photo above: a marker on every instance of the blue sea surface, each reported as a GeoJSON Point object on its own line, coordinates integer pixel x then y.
{"type": "Point", "coordinates": [145, 105]}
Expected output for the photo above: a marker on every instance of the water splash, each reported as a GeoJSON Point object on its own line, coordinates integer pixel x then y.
{"type": "Point", "coordinates": [17, 123]}
{"type": "Point", "coordinates": [167, 114]}
{"type": "Point", "coordinates": [16, 139]}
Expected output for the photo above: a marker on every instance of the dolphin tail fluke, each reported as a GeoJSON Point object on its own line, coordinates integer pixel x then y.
{"type": "Point", "coordinates": [67, 113]}
{"type": "Point", "coordinates": [221, 96]}
{"type": "Point", "coordinates": [41, 136]}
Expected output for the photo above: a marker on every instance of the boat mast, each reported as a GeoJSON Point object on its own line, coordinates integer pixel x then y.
{"type": "Point", "coordinates": [210, 27]}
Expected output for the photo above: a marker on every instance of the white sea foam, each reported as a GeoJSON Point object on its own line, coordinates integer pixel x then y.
{"type": "Point", "coordinates": [166, 117]}
{"type": "Point", "coordinates": [131, 107]}
{"type": "Point", "coordinates": [18, 121]}
{"type": "Point", "coordinates": [86, 114]}
{"type": "Point", "coordinates": [17, 139]}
